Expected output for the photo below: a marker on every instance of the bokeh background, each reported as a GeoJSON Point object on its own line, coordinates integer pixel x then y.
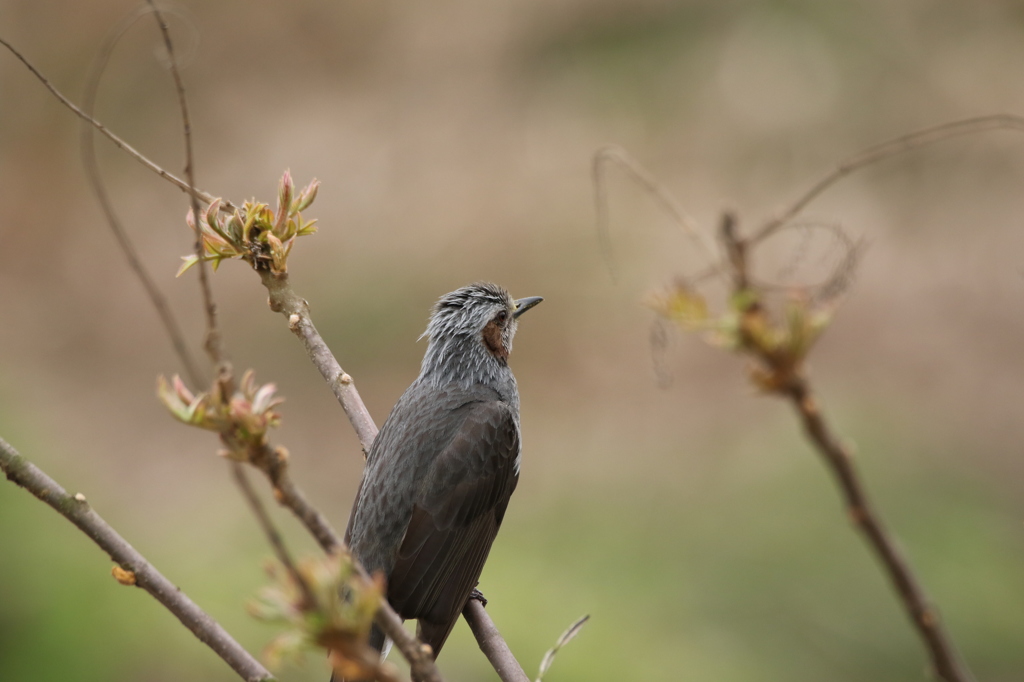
{"type": "Point", "coordinates": [454, 142]}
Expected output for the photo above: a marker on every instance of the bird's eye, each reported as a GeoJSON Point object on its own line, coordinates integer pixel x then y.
{"type": "Point", "coordinates": [501, 316]}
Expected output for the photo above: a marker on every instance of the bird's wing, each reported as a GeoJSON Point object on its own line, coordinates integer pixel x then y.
{"type": "Point", "coordinates": [456, 516]}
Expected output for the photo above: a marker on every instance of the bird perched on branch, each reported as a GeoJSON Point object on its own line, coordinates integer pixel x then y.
{"type": "Point", "coordinates": [440, 473]}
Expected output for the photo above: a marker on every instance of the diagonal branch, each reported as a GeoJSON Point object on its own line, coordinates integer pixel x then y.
{"type": "Point", "coordinates": [781, 372]}
{"type": "Point", "coordinates": [284, 300]}
{"type": "Point", "coordinates": [226, 206]}
{"type": "Point", "coordinates": [492, 643]}
{"type": "Point", "coordinates": [880, 152]}
{"type": "Point", "coordinates": [214, 346]}
{"type": "Point", "coordinates": [134, 569]}
{"type": "Point", "coordinates": [92, 171]}
{"type": "Point", "coordinates": [862, 513]}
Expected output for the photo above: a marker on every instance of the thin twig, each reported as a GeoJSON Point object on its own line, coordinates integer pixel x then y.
{"type": "Point", "coordinates": [226, 206]}
{"type": "Point", "coordinates": [918, 607]}
{"type": "Point", "coordinates": [644, 178]}
{"type": "Point", "coordinates": [133, 565]}
{"type": "Point", "coordinates": [563, 639]}
{"type": "Point", "coordinates": [274, 464]}
{"type": "Point", "coordinates": [284, 300]}
{"type": "Point", "coordinates": [213, 344]}
{"type": "Point", "coordinates": [492, 643]}
{"type": "Point", "coordinates": [92, 170]}
{"type": "Point", "coordinates": [270, 531]}
{"type": "Point", "coordinates": [879, 152]}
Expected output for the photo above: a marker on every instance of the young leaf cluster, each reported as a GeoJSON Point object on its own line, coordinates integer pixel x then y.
{"type": "Point", "coordinates": [779, 341]}
{"type": "Point", "coordinates": [333, 609]}
{"type": "Point", "coordinates": [254, 233]}
{"type": "Point", "coordinates": [242, 419]}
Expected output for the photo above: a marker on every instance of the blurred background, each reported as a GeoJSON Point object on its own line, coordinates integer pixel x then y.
{"type": "Point", "coordinates": [454, 141]}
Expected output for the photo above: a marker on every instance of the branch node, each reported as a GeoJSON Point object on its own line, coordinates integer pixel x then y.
{"type": "Point", "coordinates": [293, 321]}
{"type": "Point", "coordinates": [79, 497]}
{"type": "Point", "coordinates": [344, 378]}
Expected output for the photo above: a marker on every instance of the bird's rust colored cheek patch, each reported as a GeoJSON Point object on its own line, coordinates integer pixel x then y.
{"type": "Point", "coordinates": [493, 341]}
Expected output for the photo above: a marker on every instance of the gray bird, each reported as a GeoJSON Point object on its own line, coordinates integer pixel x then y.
{"type": "Point", "coordinates": [440, 473]}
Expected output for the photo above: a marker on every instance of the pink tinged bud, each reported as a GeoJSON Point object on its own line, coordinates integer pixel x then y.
{"type": "Point", "coordinates": [190, 219]}
{"type": "Point", "coordinates": [210, 214]}
{"type": "Point", "coordinates": [307, 196]}
{"type": "Point", "coordinates": [182, 391]}
{"type": "Point", "coordinates": [263, 399]}
{"type": "Point", "coordinates": [284, 201]}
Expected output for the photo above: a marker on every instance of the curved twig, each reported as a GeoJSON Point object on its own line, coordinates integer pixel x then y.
{"type": "Point", "coordinates": [213, 344]}
{"type": "Point", "coordinates": [635, 171]}
{"type": "Point", "coordinates": [92, 171]}
{"type": "Point", "coordinates": [879, 152]}
{"type": "Point", "coordinates": [134, 569]}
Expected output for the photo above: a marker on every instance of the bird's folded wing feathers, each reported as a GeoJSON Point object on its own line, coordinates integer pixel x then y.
{"type": "Point", "coordinates": [456, 516]}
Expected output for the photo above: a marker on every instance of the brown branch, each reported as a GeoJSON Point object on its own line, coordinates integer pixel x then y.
{"type": "Point", "coordinates": [781, 372]}
{"type": "Point", "coordinates": [226, 206]}
{"type": "Point", "coordinates": [880, 152]}
{"type": "Point", "coordinates": [133, 566]}
{"type": "Point", "coordinates": [492, 643]}
{"type": "Point", "coordinates": [918, 607]}
{"type": "Point", "coordinates": [213, 345]}
{"type": "Point", "coordinates": [274, 464]}
{"type": "Point", "coordinates": [270, 531]}
{"type": "Point", "coordinates": [284, 300]}
{"type": "Point", "coordinates": [92, 170]}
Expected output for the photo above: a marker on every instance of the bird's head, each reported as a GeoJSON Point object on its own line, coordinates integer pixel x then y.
{"type": "Point", "coordinates": [473, 324]}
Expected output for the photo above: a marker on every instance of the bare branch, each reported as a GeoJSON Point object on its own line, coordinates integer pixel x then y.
{"type": "Point", "coordinates": [270, 531]}
{"type": "Point", "coordinates": [781, 373]}
{"type": "Point", "coordinates": [918, 607]}
{"type": "Point", "coordinates": [284, 300]}
{"type": "Point", "coordinates": [492, 643]}
{"type": "Point", "coordinates": [213, 344]}
{"type": "Point", "coordinates": [274, 464]}
{"type": "Point", "coordinates": [133, 567]}
{"type": "Point", "coordinates": [885, 150]}
{"type": "Point", "coordinates": [92, 170]}
{"type": "Point", "coordinates": [120, 143]}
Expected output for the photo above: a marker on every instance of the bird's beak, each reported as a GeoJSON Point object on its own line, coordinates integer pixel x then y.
{"type": "Point", "coordinates": [524, 304]}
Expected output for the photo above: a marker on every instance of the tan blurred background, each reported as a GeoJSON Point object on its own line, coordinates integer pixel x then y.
{"type": "Point", "coordinates": [453, 140]}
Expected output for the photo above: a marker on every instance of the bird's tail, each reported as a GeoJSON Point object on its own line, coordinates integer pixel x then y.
{"type": "Point", "coordinates": [435, 634]}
